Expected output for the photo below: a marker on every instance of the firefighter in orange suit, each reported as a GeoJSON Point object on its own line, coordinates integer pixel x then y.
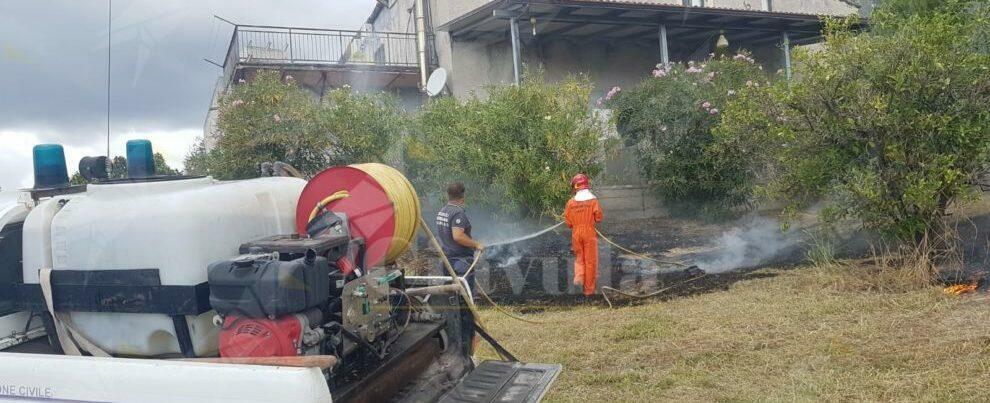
{"type": "Point", "coordinates": [581, 215]}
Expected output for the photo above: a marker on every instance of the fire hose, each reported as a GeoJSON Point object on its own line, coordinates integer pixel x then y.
{"type": "Point", "coordinates": [635, 254]}
{"type": "Point", "coordinates": [505, 354]}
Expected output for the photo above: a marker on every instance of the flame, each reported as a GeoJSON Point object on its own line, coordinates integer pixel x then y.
{"type": "Point", "coordinates": [959, 289]}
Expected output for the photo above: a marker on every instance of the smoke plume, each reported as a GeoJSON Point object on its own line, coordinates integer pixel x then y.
{"type": "Point", "coordinates": [755, 242]}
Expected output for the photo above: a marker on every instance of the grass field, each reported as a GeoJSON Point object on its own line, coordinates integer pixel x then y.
{"type": "Point", "coordinates": [784, 335]}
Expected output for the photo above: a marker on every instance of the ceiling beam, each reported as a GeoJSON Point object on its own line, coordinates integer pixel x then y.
{"type": "Point", "coordinates": [692, 22]}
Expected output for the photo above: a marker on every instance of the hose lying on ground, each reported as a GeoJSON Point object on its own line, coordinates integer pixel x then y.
{"type": "Point", "coordinates": [481, 290]}
{"type": "Point", "coordinates": [644, 296]}
{"type": "Point", "coordinates": [637, 254]}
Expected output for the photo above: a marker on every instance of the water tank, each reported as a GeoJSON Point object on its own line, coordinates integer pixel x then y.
{"type": "Point", "coordinates": [176, 226]}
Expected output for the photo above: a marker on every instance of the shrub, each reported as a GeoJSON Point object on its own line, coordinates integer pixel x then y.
{"type": "Point", "coordinates": [889, 128]}
{"type": "Point", "coordinates": [516, 150]}
{"type": "Point", "coordinates": [669, 117]}
{"type": "Point", "coordinates": [271, 119]}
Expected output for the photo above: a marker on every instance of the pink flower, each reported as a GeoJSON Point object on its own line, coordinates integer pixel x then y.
{"type": "Point", "coordinates": [714, 111]}
{"type": "Point", "coordinates": [612, 93]}
{"type": "Point", "coordinates": [706, 104]}
{"type": "Point", "coordinates": [693, 69]}
{"type": "Point", "coordinates": [711, 75]}
{"type": "Point", "coordinates": [742, 57]}
{"type": "Point", "coordinates": [277, 118]}
{"type": "Point", "coordinates": [289, 79]}
{"type": "Point", "coordinates": [749, 83]}
{"type": "Point", "coordinates": [660, 73]}
{"type": "Point", "coordinates": [237, 102]}
{"type": "Point", "coordinates": [599, 102]}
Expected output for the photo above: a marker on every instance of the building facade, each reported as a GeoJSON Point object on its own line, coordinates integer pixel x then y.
{"type": "Point", "coordinates": [493, 42]}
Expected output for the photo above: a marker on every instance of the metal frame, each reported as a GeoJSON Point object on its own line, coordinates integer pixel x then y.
{"type": "Point", "coordinates": [290, 45]}
{"type": "Point", "coordinates": [619, 18]}
{"type": "Point", "coordinates": [626, 21]}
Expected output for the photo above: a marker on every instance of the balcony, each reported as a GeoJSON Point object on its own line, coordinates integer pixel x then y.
{"type": "Point", "coordinates": [339, 53]}
{"type": "Point", "coordinates": [318, 60]}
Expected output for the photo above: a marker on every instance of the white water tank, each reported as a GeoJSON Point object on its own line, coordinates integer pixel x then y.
{"type": "Point", "coordinates": [176, 226]}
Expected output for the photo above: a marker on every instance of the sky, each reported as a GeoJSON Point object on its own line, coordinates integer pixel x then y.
{"type": "Point", "coordinates": [53, 70]}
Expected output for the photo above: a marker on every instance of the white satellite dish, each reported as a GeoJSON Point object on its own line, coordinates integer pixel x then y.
{"type": "Point", "coordinates": [437, 82]}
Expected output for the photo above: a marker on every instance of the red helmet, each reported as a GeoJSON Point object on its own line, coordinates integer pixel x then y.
{"type": "Point", "coordinates": [580, 181]}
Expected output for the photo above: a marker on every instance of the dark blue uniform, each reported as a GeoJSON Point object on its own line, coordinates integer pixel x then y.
{"type": "Point", "coordinates": [454, 216]}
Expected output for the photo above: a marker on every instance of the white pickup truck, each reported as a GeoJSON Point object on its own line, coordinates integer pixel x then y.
{"type": "Point", "coordinates": [166, 289]}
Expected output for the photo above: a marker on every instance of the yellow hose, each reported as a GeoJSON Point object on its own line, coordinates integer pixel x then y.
{"type": "Point", "coordinates": [323, 203]}
{"type": "Point", "coordinates": [405, 203]}
{"type": "Point", "coordinates": [637, 254]}
{"type": "Point", "coordinates": [457, 280]}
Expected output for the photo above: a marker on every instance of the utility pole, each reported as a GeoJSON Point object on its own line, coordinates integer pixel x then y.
{"type": "Point", "coordinates": [109, 35]}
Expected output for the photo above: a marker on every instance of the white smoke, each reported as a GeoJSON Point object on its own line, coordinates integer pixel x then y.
{"type": "Point", "coordinates": [753, 243]}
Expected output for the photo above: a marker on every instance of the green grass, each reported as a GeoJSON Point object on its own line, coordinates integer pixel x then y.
{"type": "Point", "coordinates": [808, 334]}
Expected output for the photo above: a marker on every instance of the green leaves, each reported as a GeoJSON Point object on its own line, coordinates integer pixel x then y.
{"type": "Point", "coordinates": [516, 150]}
{"type": "Point", "coordinates": [887, 127]}
{"type": "Point", "coordinates": [273, 119]}
{"type": "Point", "coordinates": [669, 119]}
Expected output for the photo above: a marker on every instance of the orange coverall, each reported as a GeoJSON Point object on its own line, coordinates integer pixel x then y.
{"type": "Point", "coordinates": [581, 217]}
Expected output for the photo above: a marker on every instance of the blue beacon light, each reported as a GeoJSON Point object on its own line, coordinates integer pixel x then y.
{"type": "Point", "coordinates": [140, 159]}
{"type": "Point", "coordinates": [49, 167]}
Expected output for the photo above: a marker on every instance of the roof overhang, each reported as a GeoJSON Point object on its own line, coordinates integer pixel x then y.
{"type": "Point", "coordinates": [617, 20]}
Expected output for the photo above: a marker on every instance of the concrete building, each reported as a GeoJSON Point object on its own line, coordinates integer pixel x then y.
{"type": "Point", "coordinates": [489, 42]}
{"type": "Point", "coordinates": [615, 42]}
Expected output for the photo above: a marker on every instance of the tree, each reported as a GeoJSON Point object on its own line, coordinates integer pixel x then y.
{"type": "Point", "coordinates": [669, 118]}
{"type": "Point", "coordinates": [889, 128]}
{"type": "Point", "coordinates": [516, 149]}
{"type": "Point", "coordinates": [196, 161]}
{"type": "Point", "coordinates": [273, 119]}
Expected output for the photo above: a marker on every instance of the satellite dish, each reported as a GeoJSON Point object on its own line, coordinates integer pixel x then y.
{"type": "Point", "coordinates": [437, 82]}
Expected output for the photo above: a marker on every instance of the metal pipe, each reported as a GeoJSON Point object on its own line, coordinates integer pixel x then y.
{"type": "Point", "coordinates": [514, 32]}
{"type": "Point", "coordinates": [664, 51]}
{"type": "Point", "coordinates": [787, 54]}
{"type": "Point", "coordinates": [421, 43]}
{"type": "Point", "coordinates": [435, 289]}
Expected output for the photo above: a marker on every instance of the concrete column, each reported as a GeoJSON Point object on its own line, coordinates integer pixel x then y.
{"type": "Point", "coordinates": [516, 63]}
{"type": "Point", "coordinates": [664, 51]}
{"type": "Point", "coordinates": [787, 54]}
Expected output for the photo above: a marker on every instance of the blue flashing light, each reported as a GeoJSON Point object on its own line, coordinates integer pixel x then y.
{"type": "Point", "coordinates": [140, 159]}
{"type": "Point", "coordinates": [49, 167]}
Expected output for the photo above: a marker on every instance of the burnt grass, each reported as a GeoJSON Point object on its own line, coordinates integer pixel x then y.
{"type": "Point", "coordinates": [534, 275]}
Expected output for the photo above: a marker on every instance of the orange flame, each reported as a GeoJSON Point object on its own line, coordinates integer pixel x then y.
{"type": "Point", "coordinates": [959, 289]}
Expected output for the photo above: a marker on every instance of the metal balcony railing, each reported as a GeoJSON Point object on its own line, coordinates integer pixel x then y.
{"type": "Point", "coordinates": [283, 45]}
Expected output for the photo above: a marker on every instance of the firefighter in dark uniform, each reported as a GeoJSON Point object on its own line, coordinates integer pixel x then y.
{"type": "Point", "coordinates": [454, 230]}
